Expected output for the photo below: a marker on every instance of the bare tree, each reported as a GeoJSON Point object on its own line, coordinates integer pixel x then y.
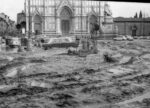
{"type": "Point", "coordinates": [140, 15]}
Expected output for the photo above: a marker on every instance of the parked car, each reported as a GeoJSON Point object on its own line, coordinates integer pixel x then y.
{"type": "Point", "coordinates": [142, 37]}
{"type": "Point", "coordinates": [129, 37]}
{"type": "Point", "coordinates": [120, 38]}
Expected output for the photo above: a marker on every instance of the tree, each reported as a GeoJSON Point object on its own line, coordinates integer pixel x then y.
{"type": "Point", "coordinates": [136, 16]}
{"type": "Point", "coordinates": [23, 24]}
{"type": "Point", "coordinates": [140, 15]}
{"type": "Point", "coordinates": [18, 26]}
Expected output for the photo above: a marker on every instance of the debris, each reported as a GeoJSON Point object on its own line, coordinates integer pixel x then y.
{"type": "Point", "coordinates": [94, 60]}
{"type": "Point", "coordinates": [117, 56]}
{"type": "Point", "coordinates": [20, 49]}
{"type": "Point", "coordinates": [134, 52]}
{"type": "Point", "coordinates": [120, 70]}
{"type": "Point", "coordinates": [4, 88]}
{"type": "Point", "coordinates": [34, 83]}
{"type": "Point", "coordinates": [108, 58]}
{"type": "Point", "coordinates": [72, 51]}
{"type": "Point", "coordinates": [126, 60]}
{"type": "Point", "coordinates": [35, 60]}
{"type": "Point", "coordinates": [60, 96]}
{"type": "Point", "coordinates": [68, 104]}
{"type": "Point", "coordinates": [11, 73]}
{"type": "Point", "coordinates": [9, 58]}
{"type": "Point", "coordinates": [21, 91]}
{"type": "Point", "coordinates": [89, 71]}
{"type": "Point", "coordinates": [146, 56]}
{"type": "Point", "coordinates": [146, 102]}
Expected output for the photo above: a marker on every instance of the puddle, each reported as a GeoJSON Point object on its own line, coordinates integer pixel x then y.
{"type": "Point", "coordinates": [34, 83]}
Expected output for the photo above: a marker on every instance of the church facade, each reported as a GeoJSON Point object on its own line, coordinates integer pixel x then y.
{"type": "Point", "coordinates": [67, 17]}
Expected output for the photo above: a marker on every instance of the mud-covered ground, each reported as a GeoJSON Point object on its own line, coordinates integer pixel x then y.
{"type": "Point", "coordinates": [53, 79]}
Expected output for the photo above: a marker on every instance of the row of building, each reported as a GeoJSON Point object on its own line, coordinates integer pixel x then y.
{"type": "Point", "coordinates": [73, 17]}
{"type": "Point", "coordinates": [6, 24]}
{"type": "Point", "coordinates": [133, 26]}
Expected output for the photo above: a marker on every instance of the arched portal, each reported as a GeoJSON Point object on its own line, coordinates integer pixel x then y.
{"type": "Point", "coordinates": [134, 30]}
{"type": "Point", "coordinates": [92, 21]}
{"type": "Point", "coordinates": [37, 24]}
{"type": "Point", "coordinates": [66, 20]}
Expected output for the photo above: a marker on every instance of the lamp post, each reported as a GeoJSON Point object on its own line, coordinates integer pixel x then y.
{"type": "Point", "coordinates": [81, 17]}
{"type": "Point", "coordinates": [29, 22]}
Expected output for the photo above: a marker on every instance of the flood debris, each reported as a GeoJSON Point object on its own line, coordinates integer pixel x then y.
{"type": "Point", "coordinates": [108, 58]}
{"type": "Point", "coordinates": [126, 60]}
{"type": "Point", "coordinates": [11, 73]}
{"type": "Point", "coordinates": [89, 71]}
{"type": "Point", "coordinates": [146, 56]}
{"type": "Point", "coordinates": [34, 83]}
{"type": "Point", "coordinates": [46, 78]}
{"type": "Point", "coordinates": [37, 60]}
{"type": "Point", "coordinates": [21, 91]}
{"type": "Point", "coordinates": [67, 104]}
{"type": "Point", "coordinates": [4, 88]}
{"type": "Point", "coordinates": [120, 70]}
{"type": "Point", "coordinates": [6, 59]}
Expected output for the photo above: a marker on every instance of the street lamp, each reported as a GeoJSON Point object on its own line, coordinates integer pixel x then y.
{"type": "Point", "coordinates": [29, 35]}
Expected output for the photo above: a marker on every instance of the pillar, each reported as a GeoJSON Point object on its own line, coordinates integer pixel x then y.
{"type": "Point", "coordinates": [32, 25]}
{"type": "Point", "coordinates": [58, 26]}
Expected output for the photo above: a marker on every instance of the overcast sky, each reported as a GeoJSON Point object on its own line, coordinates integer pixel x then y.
{"type": "Point", "coordinates": [124, 9]}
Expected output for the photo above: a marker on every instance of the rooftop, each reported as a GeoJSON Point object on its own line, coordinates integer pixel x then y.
{"type": "Point", "coordinates": [122, 19]}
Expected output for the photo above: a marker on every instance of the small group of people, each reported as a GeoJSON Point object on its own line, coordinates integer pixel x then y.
{"type": "Point", "coordinates": [91, 41]}
{"type": "Point", "coordinates": [88, 44]}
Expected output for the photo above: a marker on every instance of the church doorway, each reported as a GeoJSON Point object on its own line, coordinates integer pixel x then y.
{"type": "Point", "coordinates": [134, 29]}
{"type": "Point", "coordinates": [37, 24]}
{"type": "Point", "coordinates": [66, 20]}
{"type": "Point", "coordinates": [65, 26]}
{"type": "Point", "coordinates": [92, 21]}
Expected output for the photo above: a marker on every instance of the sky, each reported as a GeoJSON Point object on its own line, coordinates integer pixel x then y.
{"type": "Point", "coordinates": [119, 9]}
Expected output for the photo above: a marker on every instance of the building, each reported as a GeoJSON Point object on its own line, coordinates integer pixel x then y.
{"type": "Point", "coordinates": [133, 26]}
{"type": "Point", "coordinates": [67, 17]}
{"type": "Point", "coordinates": [4, 19]}
{"type": "Point", "coordinates": [21, 17]}
{"type": "Point", "coordinates": [21, 22]}
{"type": "Point", "coordinates": [6, 24]}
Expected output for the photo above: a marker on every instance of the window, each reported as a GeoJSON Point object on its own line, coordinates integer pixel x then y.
{"type": "Point", "coordinates": [78, 23]}
{"type": "Point", "coordinates": [84, 23]}
{"type": "Point", "coordinates": [78, 11]}
{"type": "Point", "coordinates": [77, 3]}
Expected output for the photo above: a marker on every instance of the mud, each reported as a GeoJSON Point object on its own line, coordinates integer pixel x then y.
{"type": "Point", "coordinates": [53, 79]}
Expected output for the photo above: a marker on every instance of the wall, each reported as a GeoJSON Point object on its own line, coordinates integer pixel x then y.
{"type": "Point", "coordinates": [125, 26]}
